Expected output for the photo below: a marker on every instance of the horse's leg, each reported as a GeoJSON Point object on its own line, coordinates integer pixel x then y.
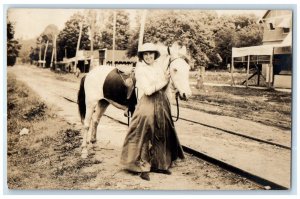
{"type": "Point", "coordinates": [90, 107]}
{"type": "Point", "coordinates": [100, 109]}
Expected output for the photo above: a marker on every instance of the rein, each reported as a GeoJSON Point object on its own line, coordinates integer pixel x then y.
{"type": "Point", "coordinates": [177, 94]}
{"type": "Point", "coordinates": [177, 116]}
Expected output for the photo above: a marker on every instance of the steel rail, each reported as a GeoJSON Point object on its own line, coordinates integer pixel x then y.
{"type": "Point", "coordinates": [237, 134]}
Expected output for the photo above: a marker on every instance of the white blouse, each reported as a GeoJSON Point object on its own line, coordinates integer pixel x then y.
{"type": "Point", "coordinates": [149, 78]}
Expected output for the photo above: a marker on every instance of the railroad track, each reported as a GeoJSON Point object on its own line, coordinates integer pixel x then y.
{"type": "Point", "coordinates": [263, 183]}
{"type": "Point", "coordinates": [237, 134]}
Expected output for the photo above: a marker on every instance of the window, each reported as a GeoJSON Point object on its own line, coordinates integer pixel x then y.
{"type": "Point", "coordinates": [286, 30]}
{"type": "Point", "coordinates": [271, 26]}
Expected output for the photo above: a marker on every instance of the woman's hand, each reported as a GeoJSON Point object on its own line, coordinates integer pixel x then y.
{"type": "Point", "coordinates": [167, 75]}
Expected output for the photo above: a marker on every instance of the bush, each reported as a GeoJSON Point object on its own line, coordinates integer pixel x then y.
{"type": "Point", "coordinates": [11, 60]}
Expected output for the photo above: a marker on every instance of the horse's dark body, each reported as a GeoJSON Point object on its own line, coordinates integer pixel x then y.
{"type": "Point", "coordinates": [114, 89]}
{"type": "Point", "coordinates": [81, 100]}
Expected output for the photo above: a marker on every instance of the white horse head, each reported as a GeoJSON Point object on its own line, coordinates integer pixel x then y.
{"type": "Point", "coordinates": [174, 59]}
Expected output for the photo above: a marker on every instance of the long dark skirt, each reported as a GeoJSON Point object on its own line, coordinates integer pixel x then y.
{"type": "Point", "coordinates": [151, 141]}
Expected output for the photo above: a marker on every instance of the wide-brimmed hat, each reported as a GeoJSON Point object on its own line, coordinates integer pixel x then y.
{"type": "Point", "coordinates": [148, 47]}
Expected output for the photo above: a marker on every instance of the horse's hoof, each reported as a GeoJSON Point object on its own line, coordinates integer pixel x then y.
{"type": "Point", "coordinates": [93, 141]}
{"type": "Point", "coordinates": [145, 176]}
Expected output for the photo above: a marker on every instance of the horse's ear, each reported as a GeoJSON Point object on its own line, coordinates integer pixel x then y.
{"type": "Point", "coordinates": [175, 45]}
{"type": "Point", "coordinates": [174, 49]}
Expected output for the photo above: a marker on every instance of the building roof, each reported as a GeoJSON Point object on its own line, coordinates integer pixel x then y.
{"type": "Point", "coordinates": [86, 54]}
{"type": "Point", "coordinates": [257, 50]}
{"type": "Point", "coordinates": [286, 16]}
{"type": "Point", "coordinates": [267, 49]}
{"type": "Point", "coordinates": [266, 14]}
{"type": "Point", "coordinates": [260, 20]}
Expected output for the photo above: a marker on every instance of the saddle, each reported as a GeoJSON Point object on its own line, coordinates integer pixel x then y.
{"type": "Point", "coordinates": [119, 87]}
{"type": "Point", "coordinates": [127, 74]}
{"type": "Point", "coordinates": [126, 70]}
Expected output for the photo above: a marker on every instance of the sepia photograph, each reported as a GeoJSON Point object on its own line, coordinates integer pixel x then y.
{"type": "Point", "coordinates": [149, 99]}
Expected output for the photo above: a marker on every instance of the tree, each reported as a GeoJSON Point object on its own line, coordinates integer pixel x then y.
{"type": "Point", "coordinates": [47, 36]}
{"type": "Point", "coordinates": [133, 43]}
{"type": "Point", "coordinates": [122, 31]}
{"type": "Point", "coordinates": [49, 33]}
{"type": "Point", "coordinates": [26, 50]}
{"type": "Point", "coordinates": [34, 54]}
{"type": "Point", "coordinates": [225, 38]}
{"type": "Point", "coordinates": [250, 35]}
{"type": "Point", "coordinates": [188, 28]}
{"type": "Point", "coordinates": [235, 31]}
{"type": "Point", "coordinates": [68, 37]}
{"type": "Point", "coordinates": [13, 46]}
{"type": "Point", "coordinates": [209, 39]}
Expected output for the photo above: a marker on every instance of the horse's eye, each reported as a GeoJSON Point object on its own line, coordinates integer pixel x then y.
{"type": "Point", "coordinates": [175, 69]}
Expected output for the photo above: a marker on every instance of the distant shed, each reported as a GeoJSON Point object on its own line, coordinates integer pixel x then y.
{"type": "Point", "coordinates": [275, 55]}
{"type": "Point", "coordinates": [107, 57]}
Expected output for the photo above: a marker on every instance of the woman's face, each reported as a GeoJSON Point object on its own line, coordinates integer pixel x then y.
{"type": "Point", "coordinates": [149, 57]}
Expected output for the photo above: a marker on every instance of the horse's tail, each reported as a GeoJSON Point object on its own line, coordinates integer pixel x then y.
{"type": "Point", "coordinates": [81, 100]}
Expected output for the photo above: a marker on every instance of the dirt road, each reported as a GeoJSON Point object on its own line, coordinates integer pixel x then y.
{"type": "Point", "coordinates": [189, 174]}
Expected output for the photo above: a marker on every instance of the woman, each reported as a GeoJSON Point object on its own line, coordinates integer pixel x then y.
{"type": "Point", "coordinates": [151, 143]}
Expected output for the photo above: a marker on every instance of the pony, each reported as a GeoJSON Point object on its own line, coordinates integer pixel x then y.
{"type": "Point", "coordinates": [105, 85]}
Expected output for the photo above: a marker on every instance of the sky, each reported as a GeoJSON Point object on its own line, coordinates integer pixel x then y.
{"type": "Point", "coordinates": [29, 23]}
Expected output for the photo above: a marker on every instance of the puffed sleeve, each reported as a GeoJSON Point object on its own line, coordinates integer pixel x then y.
{"type": "Point", "coordinates": [146, 83]}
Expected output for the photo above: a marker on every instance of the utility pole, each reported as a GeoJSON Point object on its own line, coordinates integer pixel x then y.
{"type": "Point", "coordinates": [248, 68]}
{"type": "Point", "coordinates": [92, 15]}
{"type": "Point", "coordinates": [114, 37]}
{"type": "Point", "coordinates": [40, 51]}
{"type": "Point", "coordinates": [141, 36]}
{"type": "Point", "coordinates": [53, 56]}
{"type": "Point", "coordinates": [55, 52]}
{"type": "Point", "coordinates": [40, 55]}
{"type": "Point", "coordinates": [77, 48]}
{"type": "Point", "coordinates": [45, 53]}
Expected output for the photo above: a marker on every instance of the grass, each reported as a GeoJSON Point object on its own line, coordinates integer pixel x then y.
{"type": "Point", "coordinates": [48, 157]}
{"type": "Point", "coordinates": [224, 77]}
{"type": "Point", "coordinates": [266, 106]}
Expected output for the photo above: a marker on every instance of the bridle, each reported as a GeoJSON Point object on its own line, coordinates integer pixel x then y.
{"type": "Point", "coordinates": [177, 93]}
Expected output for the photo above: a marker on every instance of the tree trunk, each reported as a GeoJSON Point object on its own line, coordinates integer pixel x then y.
{"type": "Point", "coordinates": [77, 48]}
{"type": "Point", "coordinates": [200, 77]}
{"type": "Point", "coordinates": [45, 54]}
